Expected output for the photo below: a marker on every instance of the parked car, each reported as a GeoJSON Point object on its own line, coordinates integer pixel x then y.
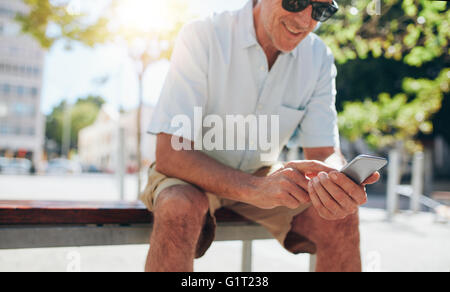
{"type": "Point", "coordinates": [15, 166]}
{"type": "Point", "coordinates": [91, 169]}
{"type": "Point", "coordinates": [63, 166]}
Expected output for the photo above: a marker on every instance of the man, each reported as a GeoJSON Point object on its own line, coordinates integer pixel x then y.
{"type": "Point", "coordinates": [261, 60]}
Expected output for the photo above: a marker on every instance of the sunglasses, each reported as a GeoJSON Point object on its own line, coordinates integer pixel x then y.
{"type": "Point", "coordinates": [322, 11]}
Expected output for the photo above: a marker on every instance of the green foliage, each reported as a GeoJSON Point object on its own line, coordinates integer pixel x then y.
{"type": "Point", "coordinates": [82, 114]}
{"type": "Point", "coordinates": [412, 32]}
{"type": "Point", "coordinates": [396, 118]}
{"type": "Point", "coordinates": [48, 22]}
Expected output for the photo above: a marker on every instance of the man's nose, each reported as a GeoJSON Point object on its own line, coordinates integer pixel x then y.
{"type": "Point", "coordinates": [304, 18]}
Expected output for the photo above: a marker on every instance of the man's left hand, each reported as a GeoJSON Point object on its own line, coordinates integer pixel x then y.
{"type": "Point", "coordinates": [335, 196]}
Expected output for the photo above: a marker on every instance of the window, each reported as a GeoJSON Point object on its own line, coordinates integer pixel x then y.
{"type": "Point", "coordinates": [7, 12]}
{"type": "Point", "coordinates": [34, 91]}
{"type": "Point", "coordinates": [31, 131]}
{"type": "Point", "coordinates": [20, 90]}
{"type": "Point", "coordinates": [6, 89]}
{"type": "Point", "coordinates": [4, 129]}
{"type": "Point", "coordinates": [17, 131]}
{"type": "Point", "coordinates": [20, 70]}
{"type": "Point", "coordinates": [21, 109]}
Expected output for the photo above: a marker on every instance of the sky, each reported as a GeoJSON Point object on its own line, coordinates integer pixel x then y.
{"type": "Point", "coordinates": [70, 74]}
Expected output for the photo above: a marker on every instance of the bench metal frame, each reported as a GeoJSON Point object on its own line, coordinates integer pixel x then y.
{"type": "Point", "coordinates": [24, 237]}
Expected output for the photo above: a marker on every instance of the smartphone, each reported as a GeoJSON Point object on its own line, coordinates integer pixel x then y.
{"type": "Point", "coordinates": [363, 166]}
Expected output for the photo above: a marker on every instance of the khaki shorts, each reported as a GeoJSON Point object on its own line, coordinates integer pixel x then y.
{"type": "Point", "coordinates": [277, 221]}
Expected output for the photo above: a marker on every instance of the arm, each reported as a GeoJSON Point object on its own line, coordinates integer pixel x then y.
{"type": "Point", "coordinates": [197, 168]}
{"type": "Point", "coordinates": [286, 187]}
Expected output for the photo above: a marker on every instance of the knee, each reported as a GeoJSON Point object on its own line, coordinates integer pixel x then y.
{"type": "Point", "coordinates": [182, 204]}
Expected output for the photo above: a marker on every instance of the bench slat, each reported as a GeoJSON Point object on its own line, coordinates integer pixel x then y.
{"type": "Point", "coordinates": [85, 213]}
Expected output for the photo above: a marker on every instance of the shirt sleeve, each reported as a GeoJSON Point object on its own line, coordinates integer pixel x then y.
{"type": "Point", "coordinates": [185, 87]}
{"type": "Point", "coordinates": [319, 127]}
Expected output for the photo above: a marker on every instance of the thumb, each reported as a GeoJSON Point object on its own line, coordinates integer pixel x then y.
{"type": "Point", "coordinates": [372, 179]}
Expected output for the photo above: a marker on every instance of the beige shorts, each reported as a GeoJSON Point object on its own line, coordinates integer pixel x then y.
{"type": "Point", "coordinates": [277, 221]}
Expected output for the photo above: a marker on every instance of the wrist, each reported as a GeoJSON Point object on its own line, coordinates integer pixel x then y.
{"type": "Point", "coordinates": [248, 187]}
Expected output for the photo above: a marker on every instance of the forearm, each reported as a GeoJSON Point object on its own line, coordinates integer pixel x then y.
{"type": "Point", "coordinates": [203, 171]}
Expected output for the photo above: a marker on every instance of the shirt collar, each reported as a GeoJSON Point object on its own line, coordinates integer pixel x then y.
{"type": "Point", "coordinates": [246, 28]}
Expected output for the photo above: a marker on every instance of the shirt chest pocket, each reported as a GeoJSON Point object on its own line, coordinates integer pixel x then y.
{"type": "Point", "coordinates": [290, 119]}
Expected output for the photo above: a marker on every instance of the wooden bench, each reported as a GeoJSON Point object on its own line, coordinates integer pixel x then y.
{"type": "Point", "coordinates": [42, 224]}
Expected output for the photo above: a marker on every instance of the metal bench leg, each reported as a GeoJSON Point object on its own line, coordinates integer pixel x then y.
{"type": "Point", "coordinates": [312, 262]}
{"type": "Point", "coordinates": [247, 256]}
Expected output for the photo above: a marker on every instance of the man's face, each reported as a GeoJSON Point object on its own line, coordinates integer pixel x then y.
{"type": "Point", "coordinates": [286, 29]}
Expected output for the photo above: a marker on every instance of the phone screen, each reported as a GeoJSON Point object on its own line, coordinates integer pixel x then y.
{"type": "Point", "coordinates": [363, 166]}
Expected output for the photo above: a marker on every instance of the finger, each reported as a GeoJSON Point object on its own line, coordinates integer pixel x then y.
{"type": "Point", "coordinates": [297, 177]}
{"type": "Point", "coordinates": [372, 179]}
{"type": "Point", "coordinates": [356, 192]}
{"type": "Point", "coordinates": [323, 212]}
{"type": "Point", "coordinates": [338, 194]}
{"type": "Point", "coordinates": [326, 199]}
{"type": "Point", "coordinates": [298, 193]}
{"type": "Point", "coordinates": [289, 201]}
{"type": "Point", "coordinates": [310, 166]}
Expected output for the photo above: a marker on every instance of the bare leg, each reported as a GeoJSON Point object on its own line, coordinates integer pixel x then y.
{"type": "Point", "coordinates": [179, 217]}
{"type": "Point", "coordinates": [338, 242]}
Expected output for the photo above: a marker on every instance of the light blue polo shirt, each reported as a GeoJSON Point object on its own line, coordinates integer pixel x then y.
{"type": "Point", "coordinates": [217, 65]}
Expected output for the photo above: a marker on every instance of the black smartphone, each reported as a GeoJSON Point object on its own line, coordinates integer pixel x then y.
{"type": "Point", "coordinates": [363, 166]}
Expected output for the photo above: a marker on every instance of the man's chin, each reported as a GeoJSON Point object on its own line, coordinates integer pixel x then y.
{"type": "Point", "coordinates": [287, 47]}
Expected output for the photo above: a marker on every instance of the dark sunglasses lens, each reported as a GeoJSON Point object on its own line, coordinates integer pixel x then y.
{"type": "Point", "coordinates": [295, 5]}
{"type": "Point", "coordinates": [323, 12]}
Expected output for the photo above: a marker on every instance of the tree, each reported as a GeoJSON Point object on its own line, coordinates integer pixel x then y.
{"type": "Point", "coordinates": [82, 114]}
{"type": "Point", "coordinates": [414, 33]}
{"type": "Point", "coordinates": [146, 44]}
{"type": "Point", "coordinates": [49, 22]}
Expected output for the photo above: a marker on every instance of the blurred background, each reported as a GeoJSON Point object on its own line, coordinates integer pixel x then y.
{"type": "Point", "coordinates": [79, 80]}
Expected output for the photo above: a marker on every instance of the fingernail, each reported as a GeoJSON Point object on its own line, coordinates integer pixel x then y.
{"type": "Point", "coordinates": [333, 176]}
{"type": "Point", "coordinates": [316, 180]}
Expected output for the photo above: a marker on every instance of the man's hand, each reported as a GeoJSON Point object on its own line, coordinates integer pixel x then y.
{"type": "Point", "coordinates": [287, 187]}
{"type": "Point", "coordinates": [335, 196]}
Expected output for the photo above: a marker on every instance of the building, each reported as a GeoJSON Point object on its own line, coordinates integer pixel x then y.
{"type": "Point", "coordinates": [21, 66]}
{"type": "Point", "coordinates": [98, 143]}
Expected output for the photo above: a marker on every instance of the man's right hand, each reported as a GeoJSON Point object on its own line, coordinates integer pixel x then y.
{"type": "Point", "coordinates": [286, 187]}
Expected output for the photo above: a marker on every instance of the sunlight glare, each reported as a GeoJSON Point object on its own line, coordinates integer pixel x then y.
{"type": "Point", "coordinates": [144, 15]}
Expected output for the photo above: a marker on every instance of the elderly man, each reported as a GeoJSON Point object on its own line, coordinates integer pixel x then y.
{"type": "Point", "coordinates": [261, 60]}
